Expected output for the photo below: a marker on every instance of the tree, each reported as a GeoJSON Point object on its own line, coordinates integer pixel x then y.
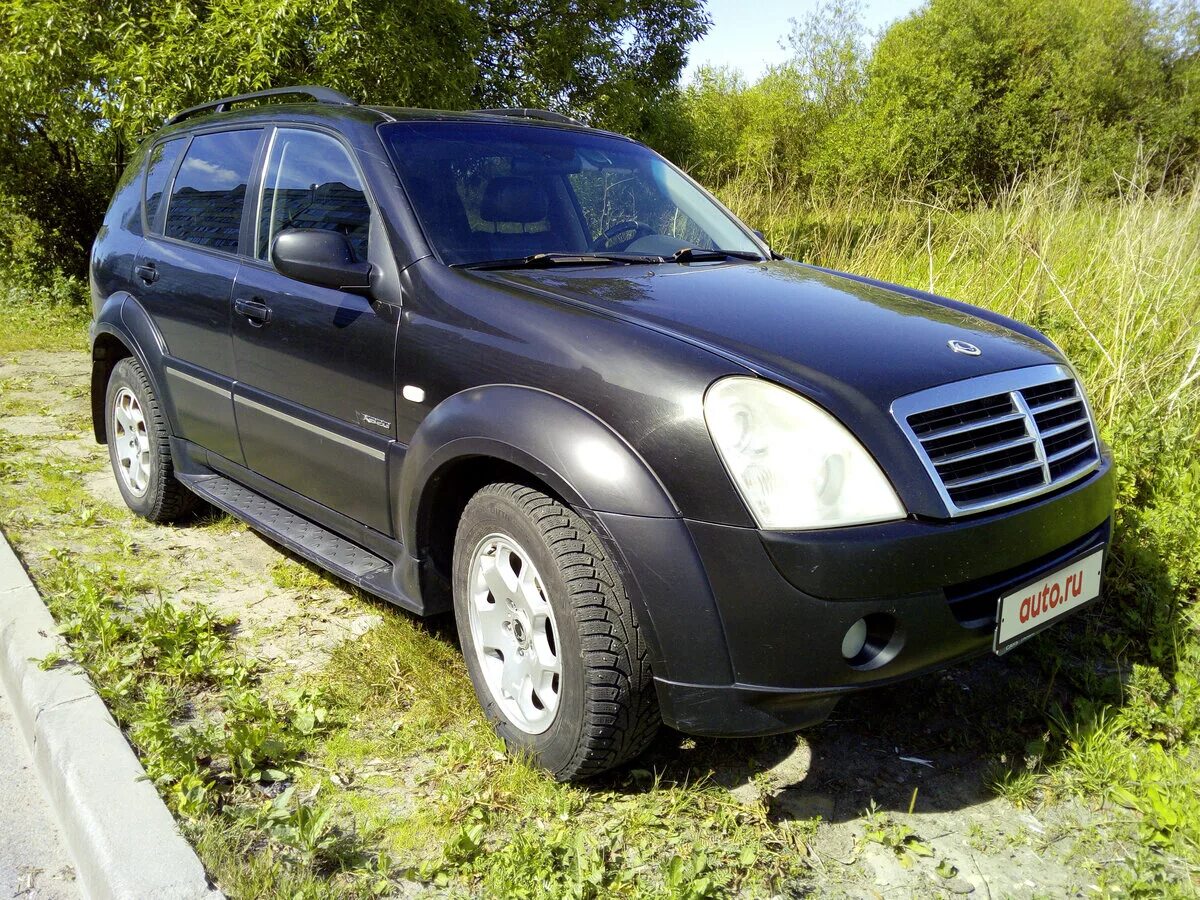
{"type": "Point", "coordinates": [767, 131]}
{"type": "Point", "coordinates": [829, 54]}
{"type": "Point", "coordinates": [965, 95]}
{"type": "Point", "coordinates": [82, 83]}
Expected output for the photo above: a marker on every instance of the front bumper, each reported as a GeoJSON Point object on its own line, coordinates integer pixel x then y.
{"type": "Point", "coordinates": [748, 625]}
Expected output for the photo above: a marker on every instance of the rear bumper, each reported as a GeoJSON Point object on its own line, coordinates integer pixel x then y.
{"type": "Point", "coordinates": [752, 643]}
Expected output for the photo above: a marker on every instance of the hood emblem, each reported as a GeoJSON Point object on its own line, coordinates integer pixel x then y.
{"type": "Point", "coordinates": [963, 347]}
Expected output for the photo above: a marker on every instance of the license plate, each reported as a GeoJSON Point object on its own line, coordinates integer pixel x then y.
{"type": "Point", "coordinates": [1027, 611]}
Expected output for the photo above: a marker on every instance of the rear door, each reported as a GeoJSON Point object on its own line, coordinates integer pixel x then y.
{"type": "Point", "coordinates": [314, 396]}
{"type": "Point", "coordinates": [195, 197]}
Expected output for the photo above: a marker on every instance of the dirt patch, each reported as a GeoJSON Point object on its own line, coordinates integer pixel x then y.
{"type": "Point", "coordinates": [227, 566]}
{"type": "Point", "coordinates": [32, 426]}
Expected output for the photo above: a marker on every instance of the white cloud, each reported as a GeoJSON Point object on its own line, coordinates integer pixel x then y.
{"type": "Point", "coordinates": [212, 176]}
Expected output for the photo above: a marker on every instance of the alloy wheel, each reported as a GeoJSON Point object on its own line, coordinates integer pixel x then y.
{"type": "Point", "coordinates": [131, 441]}
{"type": "Point", "coordinates": [513, 632]}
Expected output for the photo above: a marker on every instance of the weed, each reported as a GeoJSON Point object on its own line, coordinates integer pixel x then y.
{"type": "Point", "coordinates": [293, 576]}
{"type": "Point", "coordinates": [152, 660]}
{"type": "Point", "coordinates": [85, 515]}
{"type": "Point", "coordinates": [1017, 786]}
{"type": "Point", "coordinates": [306, 828]}
{"type": "Point", "coordinates": [905, 844]}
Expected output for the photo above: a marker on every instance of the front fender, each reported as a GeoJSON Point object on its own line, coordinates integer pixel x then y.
{"type": "Point", "coordinates": [580, 457]}
{"type": "Point", "coordinates": [595, 471]}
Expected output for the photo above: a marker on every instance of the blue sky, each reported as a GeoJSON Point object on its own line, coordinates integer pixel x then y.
{"type": "Point", "coordinates": [745, 34]}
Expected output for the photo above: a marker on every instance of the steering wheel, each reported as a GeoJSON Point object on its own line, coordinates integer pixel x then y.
{"type": "Point", "coordinates": [639, 229]}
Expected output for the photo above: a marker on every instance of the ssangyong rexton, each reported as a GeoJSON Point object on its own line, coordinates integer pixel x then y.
{"type": "Point", "coordinates": [506, 365]}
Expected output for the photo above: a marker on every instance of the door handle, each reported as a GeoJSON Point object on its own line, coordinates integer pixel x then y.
{"type": "Point", "coordinates": [256, 311]}
{"type": "Point", "coordinates": [146, 272]}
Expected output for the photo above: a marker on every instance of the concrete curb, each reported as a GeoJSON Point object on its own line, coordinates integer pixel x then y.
{"type": "Point", "coordinates": [122, 838]}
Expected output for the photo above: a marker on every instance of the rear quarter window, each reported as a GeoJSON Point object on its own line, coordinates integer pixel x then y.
{"type": "Point", "coordinates": [209, 192]}
{"type": "Point", "coordinates": [124, 210]}
{"type": "Point", "coordinates": [162, 161]}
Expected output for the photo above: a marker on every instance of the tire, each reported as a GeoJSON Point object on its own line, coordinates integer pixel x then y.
{"type": "Point", "coordinates": [139, 447]}
{"type": "Point", "coordinates": [605, 711]}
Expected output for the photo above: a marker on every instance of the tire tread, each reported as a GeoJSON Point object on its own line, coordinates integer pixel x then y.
{"type": "Point", "coordinates": [169, 499]}
{"type": "Point", "coordinates": [621, 715]}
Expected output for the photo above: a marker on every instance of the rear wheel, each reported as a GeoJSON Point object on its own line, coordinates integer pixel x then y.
{"type": "Point", "coordinates": [139, 447]}
{"type": "Point", "coordinates": [550, 640]}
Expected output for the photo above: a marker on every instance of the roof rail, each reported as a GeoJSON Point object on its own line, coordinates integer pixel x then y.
{"type": "Point", "coordinates": [319, 94]}
{"type": "Point", "coordinates": [544, 115]}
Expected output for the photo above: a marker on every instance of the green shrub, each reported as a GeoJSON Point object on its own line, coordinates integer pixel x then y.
{"type": "Point", "coordinates": [959, 99]}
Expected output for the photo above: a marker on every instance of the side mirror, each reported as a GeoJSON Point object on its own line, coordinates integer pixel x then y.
{"type": "Point", "coordinates": [320, 257]}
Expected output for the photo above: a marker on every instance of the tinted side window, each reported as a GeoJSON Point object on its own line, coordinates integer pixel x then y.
{"type": "Point", "coordinates": [210, 190]}
{"type": "Point", "coordinates": [162, 161]}
{"type": "Point", "coordinates": [310, 182]}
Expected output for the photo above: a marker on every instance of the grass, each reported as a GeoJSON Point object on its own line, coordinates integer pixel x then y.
{"type": "Point", "coordinates": [496, 822]}
{"type": "Point", "coordinates": [293, 576]}
{"type": "Point", "coordinates": [375, 769]}
{"type": "Point", "coordinates": [48, 317]}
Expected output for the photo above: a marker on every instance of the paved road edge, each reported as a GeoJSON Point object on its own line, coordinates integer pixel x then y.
{"type": "Point", "coordinates": [121, 836]}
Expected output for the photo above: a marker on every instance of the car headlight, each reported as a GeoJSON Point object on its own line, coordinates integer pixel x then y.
{"type": "Point", "coordinates": [795, 465]}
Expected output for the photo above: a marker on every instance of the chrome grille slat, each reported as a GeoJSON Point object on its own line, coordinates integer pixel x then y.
{"type": "Point", "coordinates": [1074, 448]}
{"type": "Point", "coordinates": [1062, 429]}
{"type": "Point", "coordinates": [1072, 474]}
{"type": "Point", "coordinates": [984, 451]}
{"type": "Point", "coordinates": [971, 426]}
{"type": "Point", "coordinates": [1047, 407]}
{"type": "Point", "coordinates": [1003, 436]}
{"type": "Point", "coordinates": [993, 476]}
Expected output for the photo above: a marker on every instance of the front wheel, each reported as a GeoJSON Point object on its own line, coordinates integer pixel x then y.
{"type": "Point", "coordinates": [550, 639]}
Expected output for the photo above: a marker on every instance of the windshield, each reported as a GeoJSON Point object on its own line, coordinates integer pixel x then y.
{"type": "Point", "coordinates": [486, 192]}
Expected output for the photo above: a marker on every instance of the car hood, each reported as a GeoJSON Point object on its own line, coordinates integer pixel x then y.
{"type": "Point", "coordinates": [818, 330]}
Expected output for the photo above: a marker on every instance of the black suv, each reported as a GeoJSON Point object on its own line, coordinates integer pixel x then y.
{"type": "Point", "coordinates": [500, 363]}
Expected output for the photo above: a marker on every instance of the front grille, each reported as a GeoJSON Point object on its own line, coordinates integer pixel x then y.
{"type": "Point", "coordinates": [1001, 438]}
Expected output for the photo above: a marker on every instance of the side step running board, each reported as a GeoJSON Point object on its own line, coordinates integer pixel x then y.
{"type": "Point", "coordinates": [319, 545]}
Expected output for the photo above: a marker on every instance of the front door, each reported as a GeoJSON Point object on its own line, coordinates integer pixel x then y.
{"type": "Point", "coordinates": [185, 271]}
{"type": "Point", "coordinates": [314, 396]}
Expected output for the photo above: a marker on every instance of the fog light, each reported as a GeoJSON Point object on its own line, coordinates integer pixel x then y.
{"type": "Point", "coordinates": [873, 641]}
{"type": "Point", "coordinates": [855, 639]}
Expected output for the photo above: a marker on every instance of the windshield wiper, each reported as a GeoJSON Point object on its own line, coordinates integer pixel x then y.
{"type": "Point", "coordinates": [546, 260]}
{"type": "Point", "coordinates": [696, 254]}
